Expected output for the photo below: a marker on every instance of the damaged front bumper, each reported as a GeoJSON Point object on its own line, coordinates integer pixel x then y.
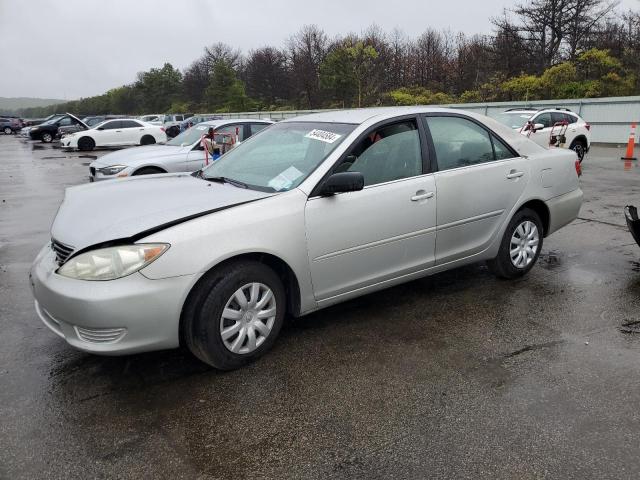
{"type": "Point", "coordinates": [633, 222]}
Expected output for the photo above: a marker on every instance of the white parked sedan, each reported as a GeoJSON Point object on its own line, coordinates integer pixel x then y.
{"type": "Point", "coordinates": [115, 133]}
{"type": "Point", "coordinates": [312, 211]}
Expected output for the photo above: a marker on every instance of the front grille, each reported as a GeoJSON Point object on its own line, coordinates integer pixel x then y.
{"type": "Point", "coordinates": [62, 251]}
{"type": "Point", "coordinates": [93, 171]}
{"type": "Point", "coordinates": [100, 335]}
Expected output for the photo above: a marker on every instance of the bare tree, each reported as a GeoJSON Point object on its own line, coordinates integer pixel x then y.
{"type": "Point", "coordinates": [306, 50]}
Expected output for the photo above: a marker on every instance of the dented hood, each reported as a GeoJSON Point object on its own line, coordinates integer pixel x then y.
{"type": "Point", "coordinates": [101, 212]}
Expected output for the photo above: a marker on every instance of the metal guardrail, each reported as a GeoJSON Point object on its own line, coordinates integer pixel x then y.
{"type": "Point", "coordinates": [609, 117]}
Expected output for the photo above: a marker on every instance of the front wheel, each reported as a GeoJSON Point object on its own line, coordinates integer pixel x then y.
{"type": "Point", "coordinates": [520, 246]}
{"type": "Point", "coordinates": [234, 315]}
{"type": "Point", "coordinates": [7, 131]}
{"type": "Point", "coordinates": [47, 137]}
{"type": "Point", "coordinates": [86, 144]}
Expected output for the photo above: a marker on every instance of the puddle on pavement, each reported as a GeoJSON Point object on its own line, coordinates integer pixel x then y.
{"type": "Point", "coordinates": [550, 260]}
{"type": "Point", "coordinates": [36, 146]}
{"type": "Point", "coordinates": [52, 158]}
{"type": "Point", "coordinates": [90, 157]}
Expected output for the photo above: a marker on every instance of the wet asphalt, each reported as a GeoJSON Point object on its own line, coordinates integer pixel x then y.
{"type": "Point", "coordinates": [459, 375]}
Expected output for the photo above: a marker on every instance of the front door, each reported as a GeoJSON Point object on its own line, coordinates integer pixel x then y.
{"type": "Point", "coordinates": [479, 180]}
{"type": "Point", "coordinates": [384, 231]}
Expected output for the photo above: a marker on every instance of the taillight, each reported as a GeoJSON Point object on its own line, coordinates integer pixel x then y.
{"type": "Point", "coordinates": [162, 128]}
{"type": "Point", "coordinates": [578, 168]}
{"type": "Point", "coordinates": [587, 126]}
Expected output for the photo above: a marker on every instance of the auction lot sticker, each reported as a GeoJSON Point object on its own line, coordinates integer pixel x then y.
{"type": "Point", "coordinates": [323, 136]}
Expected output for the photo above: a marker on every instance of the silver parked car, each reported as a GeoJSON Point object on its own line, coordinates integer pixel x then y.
{"type": "Point", "coordinates": [183, 153]}
{"type": "Point", "coordinates": [313, 211]}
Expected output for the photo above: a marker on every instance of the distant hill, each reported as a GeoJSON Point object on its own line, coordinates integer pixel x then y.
{"type": "Point", "coordinates": [11, 104]}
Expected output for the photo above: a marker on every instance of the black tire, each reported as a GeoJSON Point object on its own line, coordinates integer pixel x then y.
{"type": "Point", "coordinates": [502, 265]}
{"type": "Point", "coordinates": [202, 314]}
{"type": "Point", "coordinates": [7, 130]}
{"type": "Point", "coordinates": [149, 171]}
{"type": "Point", "coordinates": [86, 144]}
{"type": "Point", "coordinates": [46, 137]}
{"type": "Point", "coordinates": [580, 147]}
{"type": "Point", "coordinates": [147, 140]}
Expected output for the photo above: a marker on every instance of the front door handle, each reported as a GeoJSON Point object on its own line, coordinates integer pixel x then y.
{"type": "Point", "coordinates": [422, 195]}
{"type": "Point", "coordinates": [514, 174]}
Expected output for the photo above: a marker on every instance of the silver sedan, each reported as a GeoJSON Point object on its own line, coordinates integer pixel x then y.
{"type": "Point", "coordinates": [184, 153]}
{"type": "Point", "coordinates": [311, 212]}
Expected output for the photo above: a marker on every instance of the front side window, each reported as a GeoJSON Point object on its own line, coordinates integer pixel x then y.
{"type": "Point", "coordinates": [391, 152]}
{"type": "Point", "coordinates": [459, 142]}
{"type": "Point", "coordinates": [112, 125]}
{"type": "Point", "coordinates": [235, 132]}
{"type": "Point", "coordinates": [544, 119]}
{"type": "Point", "coordinates": [282, 157]}
{"type": "Point", "coordinates": [65, 122]}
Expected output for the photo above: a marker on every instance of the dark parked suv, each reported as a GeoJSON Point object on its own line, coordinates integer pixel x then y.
{"type": "Point", "coordinates": [10, 125]}
{"type": "Point", "coordinates": [49, 130]}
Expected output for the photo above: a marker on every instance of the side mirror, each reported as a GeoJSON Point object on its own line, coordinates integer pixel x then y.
{"type": "Point", "coordinates": [537, 126]}
{"type": "Point", "coordinates": [342, 182]}
{"type": "Point", "coordinates": [100, 128]}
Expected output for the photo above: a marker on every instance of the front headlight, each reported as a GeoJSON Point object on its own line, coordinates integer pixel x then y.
{"type": "Point", "coordinates": [112, 170]}
{"type": "Point", "coordinates": [113, 262]}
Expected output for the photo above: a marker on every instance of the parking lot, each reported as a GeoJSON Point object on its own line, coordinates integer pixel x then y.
{"type": "Point", "coordinates": [459, 375]}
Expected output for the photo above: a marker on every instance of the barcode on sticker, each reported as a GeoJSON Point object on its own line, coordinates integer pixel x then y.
{"type": "Point", "coordinates": [323, 136]}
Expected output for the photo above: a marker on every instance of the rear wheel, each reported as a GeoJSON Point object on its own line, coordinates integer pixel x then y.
{"type": "Point", "coordinates": [147, 140]}
{"type": "Point", "coordinates": [7, 130]}
{"type": "Point", "coordinates": [520, 246]}
{"type": "Point", "coordinates": [148, 171]}
{"type": "Point", "coordinates": [47, 137]}
{"type": "Point", "coordinates": [580, 148]}
{"type": "Point", "coordinates": [86, 144]}
{"type": "Point", "coordinates": [234, 315]}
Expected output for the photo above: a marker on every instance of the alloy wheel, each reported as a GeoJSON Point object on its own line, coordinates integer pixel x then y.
{"type": "Point", "coordinates": [247, 318]}
{"type": "Point", "coordinates": [524, 244]}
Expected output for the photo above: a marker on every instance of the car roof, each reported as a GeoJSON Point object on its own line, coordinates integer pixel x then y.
{"type": "Point", "coordinates": [358, 116]}
{"type": "Point", "coordinates": [224, 121]}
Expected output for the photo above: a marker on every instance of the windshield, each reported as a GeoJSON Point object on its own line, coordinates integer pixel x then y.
{"type": "Point", "coordinates": [513, 120]}
{"type": "Point", "coordinates": [190, 136]}
{"type": "Point", "coordinates": [280, 157]}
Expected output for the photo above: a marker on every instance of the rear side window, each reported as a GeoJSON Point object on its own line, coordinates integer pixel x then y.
{"type": "Point", "coordinates": [570, 118]}
{"type": "Point", "coordinates": [130, 124]}
{"type": "Point", "coordinates": [502, 152]}
{"type": "Point", "coordinates": [459, 142]}
{"type": "Point", "coordinates": [256, 127]}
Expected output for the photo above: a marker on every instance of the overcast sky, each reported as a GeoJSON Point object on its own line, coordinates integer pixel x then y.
{"type": "Point", "coordinates": [76, 48]}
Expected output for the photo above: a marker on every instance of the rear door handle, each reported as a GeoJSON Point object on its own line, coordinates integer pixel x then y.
{"type": "Point", "coordinates": [514, 174]}
{"type": "Point", "coordinates": [422, 195]}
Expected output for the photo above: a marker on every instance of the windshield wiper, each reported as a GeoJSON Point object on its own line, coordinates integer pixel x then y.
{"type": "Point", "coordinates": [235, 183]}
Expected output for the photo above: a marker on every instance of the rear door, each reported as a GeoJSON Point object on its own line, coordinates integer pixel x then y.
{"type": "Point", "coordinates": [131, 132]}
{"type": "Point", "coordinates": [479, 180]}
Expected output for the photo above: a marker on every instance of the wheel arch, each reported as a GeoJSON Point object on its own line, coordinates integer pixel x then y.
{"type": "Point", "coordinates": [277, 264]}
{"type": "Point", "coordinates": [541, 208]}
{"type": "Point", "coordinates": [581, 138]}
{"type": "Point", "coordinates": [155, 167]}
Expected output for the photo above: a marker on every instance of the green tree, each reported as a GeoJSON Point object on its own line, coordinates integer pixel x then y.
{"type": "Point", "coordinates": [226, 92]}
{"type": "Point", "coordinates": [159, 87]}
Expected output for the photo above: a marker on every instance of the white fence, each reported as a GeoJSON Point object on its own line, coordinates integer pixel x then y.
{"type": "Point", "coordinates": [610, 118]}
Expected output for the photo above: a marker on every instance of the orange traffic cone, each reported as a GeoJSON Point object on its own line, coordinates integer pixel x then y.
{"type": "Point", "coordinates": [631, 143]}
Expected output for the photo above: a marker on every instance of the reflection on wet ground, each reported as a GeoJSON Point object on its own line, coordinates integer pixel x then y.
{"type": "Point", "coordinates": [459, 375]}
